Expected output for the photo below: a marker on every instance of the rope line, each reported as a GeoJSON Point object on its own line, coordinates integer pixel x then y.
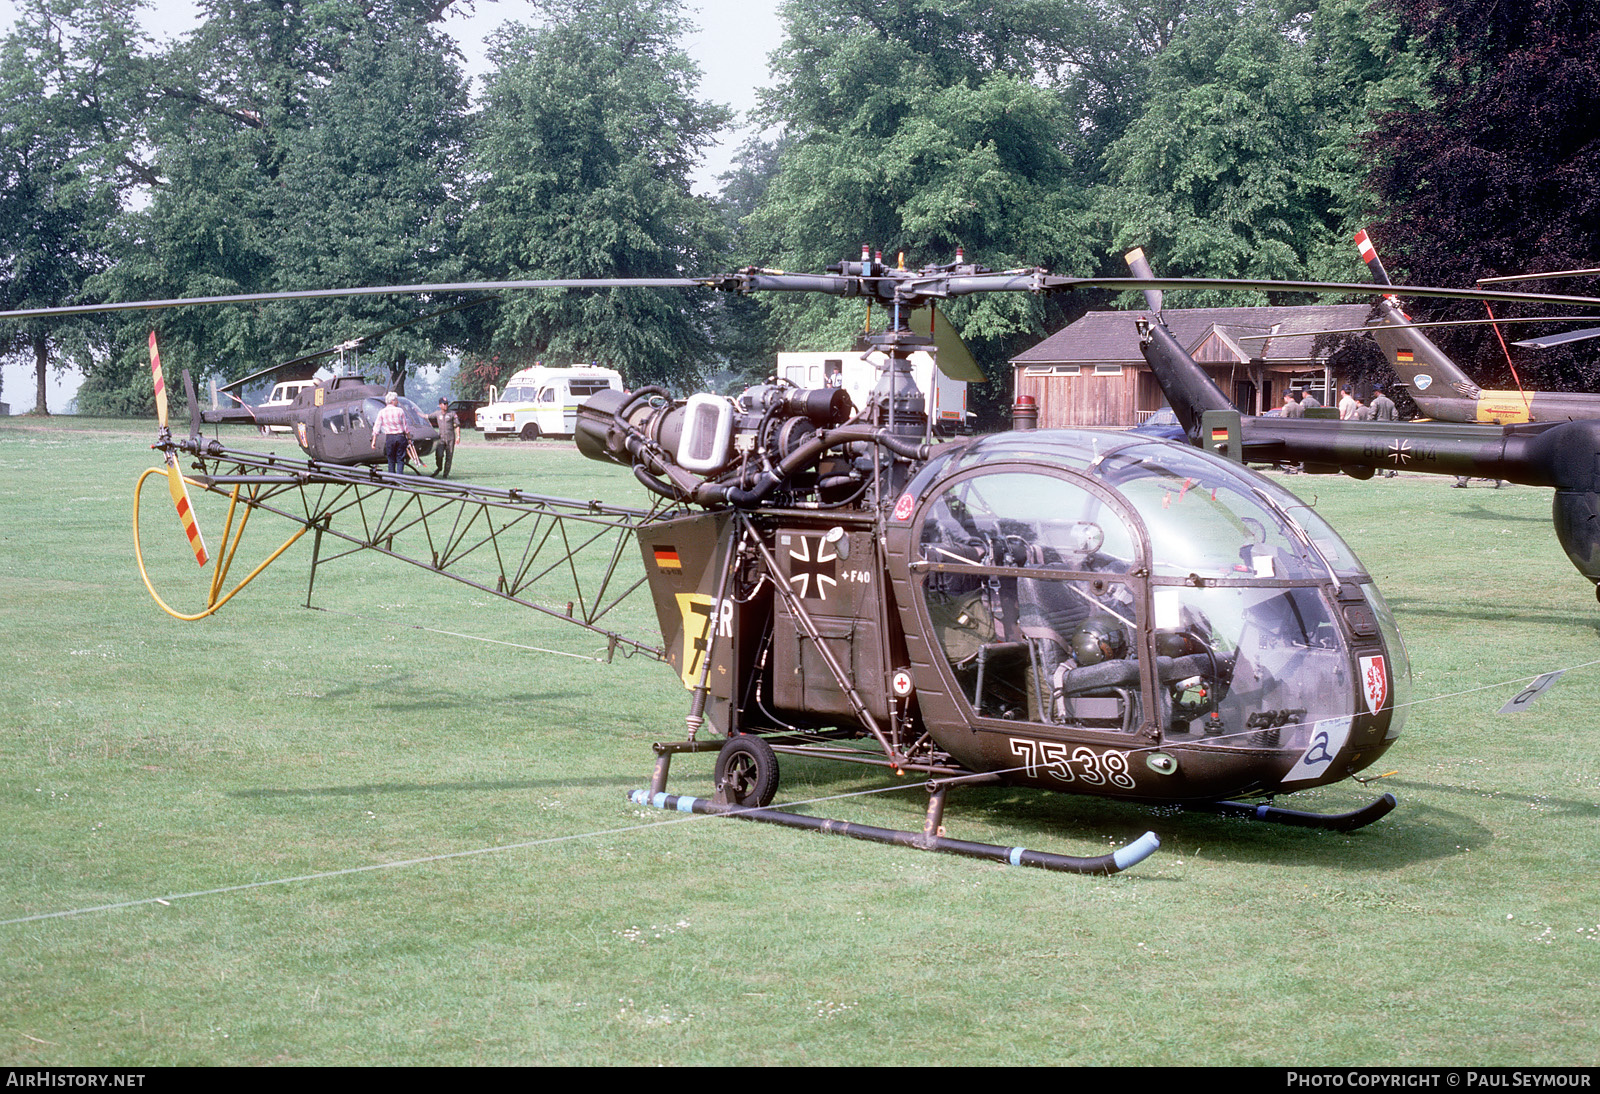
{"type": "Point", "coordinates": [626, 830]}
{"type": "Point", "coordinates": [422, 861]}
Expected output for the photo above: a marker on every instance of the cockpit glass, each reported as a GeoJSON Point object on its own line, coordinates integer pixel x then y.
{"type": "Point", "coordinates": [1209, 520]}
{"type": "Point", "coordinates": [1028, 598]}
{"type": "Point", "coordinates": [1034, 588]}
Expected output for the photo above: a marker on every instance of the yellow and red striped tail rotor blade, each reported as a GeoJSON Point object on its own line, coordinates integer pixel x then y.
{"type": "Point", "coordinates": [180, 498]}
{"type": "Point", "coordinates": [161, 385]}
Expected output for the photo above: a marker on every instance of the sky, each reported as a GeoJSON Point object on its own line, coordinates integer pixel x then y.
{"type": "Point", "coordinates": [731, 49]}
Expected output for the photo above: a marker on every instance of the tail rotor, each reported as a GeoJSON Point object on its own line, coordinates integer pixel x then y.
{"type": "Point", "coordinates": [175, 484]}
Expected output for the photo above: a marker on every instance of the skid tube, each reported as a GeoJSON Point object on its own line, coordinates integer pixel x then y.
{"type": "Point", "coordinates": [1272, 814]}
{"type": "Point", "coordinates": [1117, 861]}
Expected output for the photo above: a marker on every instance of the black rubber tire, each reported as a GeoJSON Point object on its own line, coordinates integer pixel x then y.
{"type": "Point", "coordinates": [747, 772]}
{"type": "Point", "coordinates": [530, 432]}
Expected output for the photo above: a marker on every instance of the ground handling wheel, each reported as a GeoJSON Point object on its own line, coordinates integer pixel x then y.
{"type": "Point", "coordinates": [747, 772]}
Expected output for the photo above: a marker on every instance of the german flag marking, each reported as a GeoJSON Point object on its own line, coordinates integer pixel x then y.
{"type": "Point", "coordinates": [667, 558]}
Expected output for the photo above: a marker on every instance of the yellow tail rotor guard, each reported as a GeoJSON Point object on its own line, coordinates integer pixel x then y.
{"type": "Point", "coordinates": [231, 538]}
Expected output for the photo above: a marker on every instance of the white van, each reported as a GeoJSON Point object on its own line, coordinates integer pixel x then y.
{"type": "Point", "coordinates": [283, 394]}
{"type": "Point", "coordinates": [543, 402]}
{"type": "Point", "coordinates": [858, 373]}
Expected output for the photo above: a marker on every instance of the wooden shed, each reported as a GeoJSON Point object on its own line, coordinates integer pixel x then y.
{"type": "Point", "coordinates": [1091, 372]}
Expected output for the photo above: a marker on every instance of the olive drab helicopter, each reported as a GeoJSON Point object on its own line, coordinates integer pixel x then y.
{"type": "Point", "coordinates": [1071, 610]}
{"type": "Point", "coordinates": [331, 419]}
{"type": "Point", "coordinates": [1441, 389]}
{"type": "Point", "coordinates": [1562, 454]}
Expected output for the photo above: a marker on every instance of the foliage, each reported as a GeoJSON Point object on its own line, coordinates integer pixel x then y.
{"type": "Point", "coordinates": [1497, 175]}
{"type": "Point", "coordinates": [917, 127]}
{"type": "Point", "coordinates": [296, 146]}
{"type": "Point", "coordinates": [588, 133]}
{"type": "Point", "coordinates": [1243, 161]}
{"type": "Point", "coordinates": [905, 129]}
{"type": "Point", "coordinates": [64, 79]}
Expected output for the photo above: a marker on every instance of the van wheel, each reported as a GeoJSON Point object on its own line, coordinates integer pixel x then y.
{"type": "Point", "coordinates": [530, 432]}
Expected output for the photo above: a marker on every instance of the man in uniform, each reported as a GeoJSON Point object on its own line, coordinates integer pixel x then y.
{"type": "Point", "coordinates": [1347, 405]}
{"type": "Point", "coordinates": [1382, 405]}
{"type": "Point", "coordinates": [449, 436]}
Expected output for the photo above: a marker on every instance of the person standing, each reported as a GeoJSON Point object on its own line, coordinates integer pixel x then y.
{"type": "Point", "coordinates": [1383, 410]}
{"type": "Point", "coordinates": [1382, 405]}
{"type": "Point", "coordinates": [1292, 406]}
{"type": "Point", "coordinates": [449, 436]}
{"type": "Point", "coordinates": [391, 426]}
{"type": "Point", "coordinates": [1347, 405]}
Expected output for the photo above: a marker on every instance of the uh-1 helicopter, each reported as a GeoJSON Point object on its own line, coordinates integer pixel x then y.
{"type": "Point", "coordinates": [332, 418]}
{"type": "Point", "coordinates": [1073, 610]}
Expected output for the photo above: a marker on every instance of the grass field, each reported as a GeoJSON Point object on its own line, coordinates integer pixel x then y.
{"type": "Point", "coordinates": [146, 758]}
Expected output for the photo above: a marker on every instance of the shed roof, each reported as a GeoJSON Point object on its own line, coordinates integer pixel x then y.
{"type": "Point", "coordinates": [1107, 336]}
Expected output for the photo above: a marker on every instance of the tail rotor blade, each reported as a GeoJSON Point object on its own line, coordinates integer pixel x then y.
{"type": "Point", "coordinates": [1140, 267]}
{"type": "Point", "coordinates": [1369, 255]}
{"type": "Point", "coordinates": [180, 498]}
{"type": "Point", "coordinates": [160, 382]}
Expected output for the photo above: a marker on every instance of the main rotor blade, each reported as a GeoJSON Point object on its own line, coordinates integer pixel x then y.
{"type": "Point", "coordinates": [1141, 268]}
{"type": "Point", "coordinates": [911, 287]}
{"type": "Point", "coordinates": [1067, 284]}
{"type": "Point", "coordinates": [1559, 339]}
{"type": "Point", "coordinates": [371, 290]}
{"type": "Point", "coordinates": [1535, 343]}
{"type": "Point", "coordinates": [1537, 277]}
{"type": "Point", "coordinates": [307, 358]}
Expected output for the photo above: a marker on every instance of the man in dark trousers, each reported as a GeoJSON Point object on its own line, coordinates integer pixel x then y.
{"type": "Point", "coordinates": [391, 426]}
{"type": "Point", "coordinates": [449, 436]}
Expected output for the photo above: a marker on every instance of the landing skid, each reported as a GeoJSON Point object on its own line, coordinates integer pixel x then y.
{"type": "Point", "coordinates": [1272, 814]}
{"type": "Point", "coordinates": [932, 838]}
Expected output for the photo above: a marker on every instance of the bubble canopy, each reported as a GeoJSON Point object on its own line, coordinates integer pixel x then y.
{"type": "Point", "coordinates": [1098, 588]}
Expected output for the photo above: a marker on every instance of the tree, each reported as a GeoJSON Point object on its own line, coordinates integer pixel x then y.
{"type": "Point", "coordinates": [61, 147]}
{"type": "Point", "coordinates": [589, 129]}
{"type": "Point", "coordinates": [1244, 162]}
{"type": "Point", "coordinates": [921, 126]}
{"type": "Point", "coordinates": [295, 146]}
{"type": "Point", "coordinates": [1497, 174]}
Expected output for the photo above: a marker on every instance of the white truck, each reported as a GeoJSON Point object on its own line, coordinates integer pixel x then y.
{"type": "Point", "coordinates": [858, 374]}
{"type": "Point", "coordinates": [543, 402]}
{"type": "Point", "coordinates": [283, 393]}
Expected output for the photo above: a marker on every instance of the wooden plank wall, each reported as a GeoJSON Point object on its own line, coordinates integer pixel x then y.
{"type": "Point", "coordinates": [1086, 400]}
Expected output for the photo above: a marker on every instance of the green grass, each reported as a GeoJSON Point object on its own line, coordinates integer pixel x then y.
{"type": "Point", "coordinates": [143, 758]}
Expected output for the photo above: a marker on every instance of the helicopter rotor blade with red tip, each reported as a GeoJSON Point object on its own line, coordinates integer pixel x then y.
{"type": "Point", "coordinates": [175, 484]}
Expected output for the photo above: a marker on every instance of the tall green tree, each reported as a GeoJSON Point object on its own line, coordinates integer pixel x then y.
{"type": "Point", "coordinates": [67, 88]}
{"type": "Point", "coordinates": [1496, 175]}
{"type": "Point", "coordinates": [589, 130]}
{"type": "Point", "coordinates": [296, 145]}
{"type": "Point", "coordinates": [1244, 160]}
{"type": "Point", "coordinates": [921, 126]}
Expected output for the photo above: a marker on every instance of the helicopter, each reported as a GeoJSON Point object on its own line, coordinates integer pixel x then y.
{"type": "Point", "coordinates": [1441, 389]}
{"type": "Point", "coordinates": [1079, 611]}
{"type": "Point", "coordinates": [1561, 454]}
{"type": "Point", "coordinates": [331, 419]}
